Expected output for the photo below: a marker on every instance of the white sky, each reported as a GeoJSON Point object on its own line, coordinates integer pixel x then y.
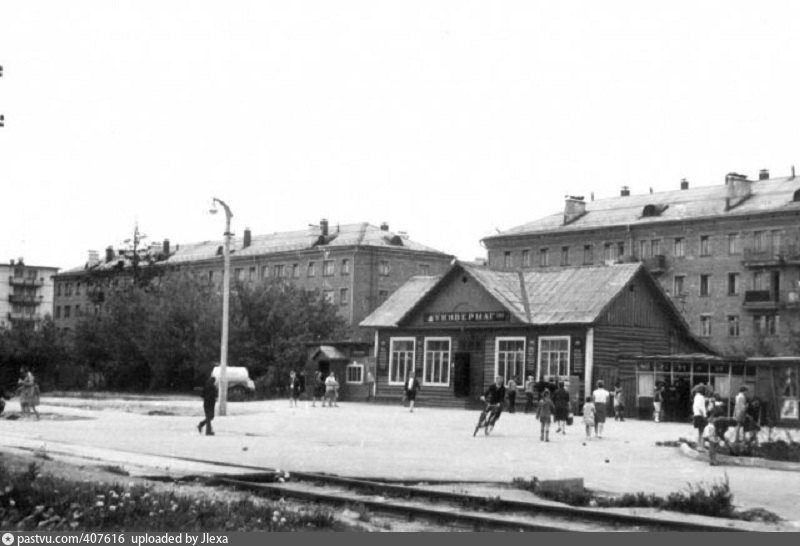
{"type": "Point", "coordinates": [447, 119]}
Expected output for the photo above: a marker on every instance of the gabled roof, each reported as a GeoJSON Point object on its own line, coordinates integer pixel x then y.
{"type": "Point", "coordinates": [562, 296]}
{"type": "Point", "coordinates": [703, 202]}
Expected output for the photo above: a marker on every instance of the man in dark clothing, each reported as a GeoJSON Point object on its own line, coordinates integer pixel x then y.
{"type": "Point", "coordinates": [209, 401]}
{"type": "Point", "coordinates": [494, 397]}
{"type": "Point", "coordinates": [560, 400]}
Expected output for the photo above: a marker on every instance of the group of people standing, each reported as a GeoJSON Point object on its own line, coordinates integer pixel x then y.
{"type": "Point", "coordinates": [28, 392]}
{"type": "Point", "coordinates": [711, 423]}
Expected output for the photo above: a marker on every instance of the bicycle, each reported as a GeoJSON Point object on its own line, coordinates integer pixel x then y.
{"type": "Point", "coordinates": [487, 419]}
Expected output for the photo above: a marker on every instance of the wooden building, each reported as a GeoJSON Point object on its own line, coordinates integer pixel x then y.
{"type": "Point", "coordinates": [459, 330]}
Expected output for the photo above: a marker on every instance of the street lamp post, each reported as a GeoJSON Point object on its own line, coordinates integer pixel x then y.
{"type": "Point", "coordinates": [226, 292]}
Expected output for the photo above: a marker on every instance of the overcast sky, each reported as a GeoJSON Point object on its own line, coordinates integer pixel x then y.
{"type": "Point", "coordinates": [446, 119]}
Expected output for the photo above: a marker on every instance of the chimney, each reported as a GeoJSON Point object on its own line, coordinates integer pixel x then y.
{"type": "Point", "coordinates": [625, 191]}
{"type": "Point", "coordinates": [94, 258]}
{"type": "Point", "coordinates": [384, 226]}
{"type": "Point", "coordinates": [165, 247]}
{"type": "Point", "coordinates": [739, 189]}
{"type": "Point", "coordinates": [684, 184]}
{"type": "Point", "coordinates": [248, 238]}
{"type": "Point", "coordinates": [574, 208]}
{"type": "Point", "coordinates": [109, 253]}
{"type": "Point", "coordinates": [763, 174]}
{"type": "Point", "coordinates": [323, 226]}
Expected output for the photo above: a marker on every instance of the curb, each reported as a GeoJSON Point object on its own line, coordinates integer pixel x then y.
{"type": "Point", "coordinates": [753, 462]}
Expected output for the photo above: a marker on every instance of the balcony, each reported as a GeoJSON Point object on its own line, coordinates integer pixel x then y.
{"type": "Point", "coordinates": [657, 264]}
{"type": "Point", "coordinates": [22, 281]}
{"type": "Point", "coordinates": [16, 316]}
{"type": "Point", "coordinates": [761, 300]}
{"type": "Point", "coordinates": [25, 299]}
{"type": "Point", "coordinates": [96, 295]}
{"type": "Point", "coordinates": [786, 253]}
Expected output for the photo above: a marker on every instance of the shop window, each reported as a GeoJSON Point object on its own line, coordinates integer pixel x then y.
{"type": "Point", "coordinates": [354, 373]}
{"type": "Point", "coordinates": [645, 384]}
{"type": "Point", "coordinates": [553, 357]}
{"type": "Point", "coordinates": [510, 358]}
{"type": "Point", "coordinates": [436, 367]}
{"type": "Point", "coordinates": [401, 359]}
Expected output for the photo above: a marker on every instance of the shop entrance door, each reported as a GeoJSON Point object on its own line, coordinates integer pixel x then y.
{"type": "Point", "coordinates": [461, 375]}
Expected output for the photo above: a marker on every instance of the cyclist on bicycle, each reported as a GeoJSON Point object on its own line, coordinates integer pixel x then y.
{"type": "Point", "coordinates": [494, 397]}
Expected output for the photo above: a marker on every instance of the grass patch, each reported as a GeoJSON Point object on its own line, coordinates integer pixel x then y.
{"type": "Point", "coordinates": [715, 500]}
{"type": "Point", "coordinates": [30, 500]}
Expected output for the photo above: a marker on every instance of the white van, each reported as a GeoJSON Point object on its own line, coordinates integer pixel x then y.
{"type": "Point", "coordinates": [239, 383]}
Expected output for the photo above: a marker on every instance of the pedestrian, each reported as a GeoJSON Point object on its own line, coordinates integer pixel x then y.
{"type": "Point", "coordinates": [740, 410]}
{"type": "Point", "coordinates": [28, 392]}
{"type": "Point", "coordinates": [699, 413]}
{"type": "Point", "coordinates": [370, 385]}
{"type": "Point", "coordinates": [544, 413]}
{"type": "Point", "coordinates": [561, 403]}
{"type": "Point", "coordinates": [331, 390]}
{"type": "Point", "coordinates": [209, 401]}
{"type": "Point", "coordinates": [511, 393]}
{"type": "Point", "coordinates": [619, 404]}
{"type": "Point", "coordinates": [319, 389]}
{"type": "Point", "coordinates": [530, 385]}
{"type": "Point", "coordinates": [658, 400]}
{"type": "Point", "coordinates": [588, 411]}
{"type": "Point", "coordinates": [294, 389]}
{"type": "Point", "coordinates": [412, 387]}
{"type": "Point", "coordinates": [600, 396]}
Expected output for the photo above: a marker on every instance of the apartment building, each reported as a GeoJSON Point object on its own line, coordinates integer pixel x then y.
{"type": "Point", "coordinates": [727, 255]}
{"type": "Point", "coordinates": [26, 293]}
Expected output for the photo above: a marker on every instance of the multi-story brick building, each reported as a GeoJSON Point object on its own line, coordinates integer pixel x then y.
{"type": "Point", "coordinates": [727, 255]}
{"type": "Point", "coordinates": [26, 293]}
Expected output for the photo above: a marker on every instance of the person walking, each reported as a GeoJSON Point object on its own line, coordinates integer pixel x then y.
{"type": "Point", "coordinates": [619, 404]}
{"type": "Point", "coordinates": [561, 403]}
{"type": "Point", "coordinates": [699, 413]}
{"type": "Point", "coordinates": [600, 396]}
{"type": "Point", "coordinates": [209, 401]}
{"type": "Point", "coordinates": [294, 389]}
{"type": "Point", "coordinates": [319, 389]}
{"type": "Point", "coordinates": [588, 411]}
{"type": "Point", "coordinates": [740, 410]}
{"type": "Point", "coordinates": [370, 385]}
{"type": "Point", "coordinates": [28, 392]}
{"type": "Point", "coordinates": [331, 391]}
{"type": "Point", "coordinates": [658, 400]}
{"type": "Point", "coordinates": [412, 387]}
{"type": "Point", "coordinates": [530, 386]}
{"type": "Point", "coordinates": [511, 393]}
{"type": "Point", "coordinates": [544, 413]}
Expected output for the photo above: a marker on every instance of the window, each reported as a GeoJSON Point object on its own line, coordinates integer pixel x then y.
{"type": "Point", "coordinates": [211, 277]}
{"type": "Point", "coordinates": [264, 271]}
{"type": "Point", "coordinates": [68, 289]}
{"type": "Point", "coordinates": [760, 241]}
{"type": "Point", "coordinates": [507, 258]}
{"type": "Point", "coordinates": [760, 281]}
{"type": "Point", "coordinates": [383, 295]}
{"type": "Point", "coordinates": [383, 268]}
{"type": "Point", "coordinates": [295, 271]}
{"type": "Point", "coordinates": [58, 311]}
{"type": "Point", "coordinates": [526, 258]}
{"type": "Point", "coordinates": [354, 373]}
{"type": "Point", "coordinates": [312, 269]}
{"type": "Point", "coordinates": [704, 285]}
{"type": "Point", "coordinates": [544, 257]}
{"type": "Point", "coordinates": [238, 274]}
{"type": "Point", "coordinates": [775, 235]}
{"type": "Point", "coordinates": [553, 357]}
{"type": "Point", "coordinates": [588, 254]}
{"type": "Point", "coordinates": [424, 269]}
{"type": "Point", "coordinates": [734, 243]}
{"type": "Point", "coordinates": [644, 249]}
{"type": "Point", "coordinates": [733, 325]}
{"type": "Point", "coordinates": [345, 267]}
{"type": "Point", "coordinates": [510, 358]}
{"type": "Point", "coordinates": [328, 295]}
{"type": "Point", "coordinates": [733, 284]}
{"type": "Point", "coordinates": [678, 248]}
{"type": "Point", "coordinates": [705, 245]}
{"type": "Point", "coordinates": [765, 325]}
{"type": "Point", "coordinates": [78, 289]}
{"type": "Point", "coordinates": [436, 368]}
{"type": "Point", "coordinates": [564, 255]}
{"type": "Point", "coordinates": [677, 285]}
{"type": "Point", "coordinates": [251, 276]}
{"type": "Point", "coordinates": [401, 359]}
{"type": "Point", "coordinates": [344, 296]}
{"type": "Point", "coordinates": [620, 250]}
{"type": "Point", "coordinates": [705, 325]}
{"type": "Point", "coordinates": [608, 252]}
{"type": "Point", "coordinates": [66, 311]}
{"type": "Point", "coordinates": [277, 271]}
{"type": "Point", "coordinates": [655, 247]}
{"type": "Point", "coordinates": [77, 310]}
{"type": "Point", "coordinates": [327, 268]}
{"type": "Point", "coordinates": [58, 289]}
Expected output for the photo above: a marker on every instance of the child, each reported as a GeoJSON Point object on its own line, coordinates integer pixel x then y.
{"type": "Point", "coordinates": [544, 413]}
{"type": "Point", "coordinates": [619, 405]}
{"type": "Point", "coordinates": [588, 416]}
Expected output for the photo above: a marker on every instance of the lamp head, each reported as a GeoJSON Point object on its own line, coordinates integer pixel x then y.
{"type": "Point", "coordinates": [213, 209]}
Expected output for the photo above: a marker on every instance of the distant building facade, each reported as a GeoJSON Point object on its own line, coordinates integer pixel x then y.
{"type": "Point", "coordinates": [728, 256]}
{"type": "Point", "coordinates": [26, 293]}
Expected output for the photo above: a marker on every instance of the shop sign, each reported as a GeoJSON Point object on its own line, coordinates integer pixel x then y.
{"type": "Point", "coordinates": [719, 368]}
{"type": "Point", "coordinates": [680, 367]}
{"type": "Point", "coordinates": [790, 409]}
{"type": "Point", "coordinates": [664, 367]}
{"type": "Point", "coordinates": [467, 316]}
{"type": "Point", "coordinates": [701, 368]}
